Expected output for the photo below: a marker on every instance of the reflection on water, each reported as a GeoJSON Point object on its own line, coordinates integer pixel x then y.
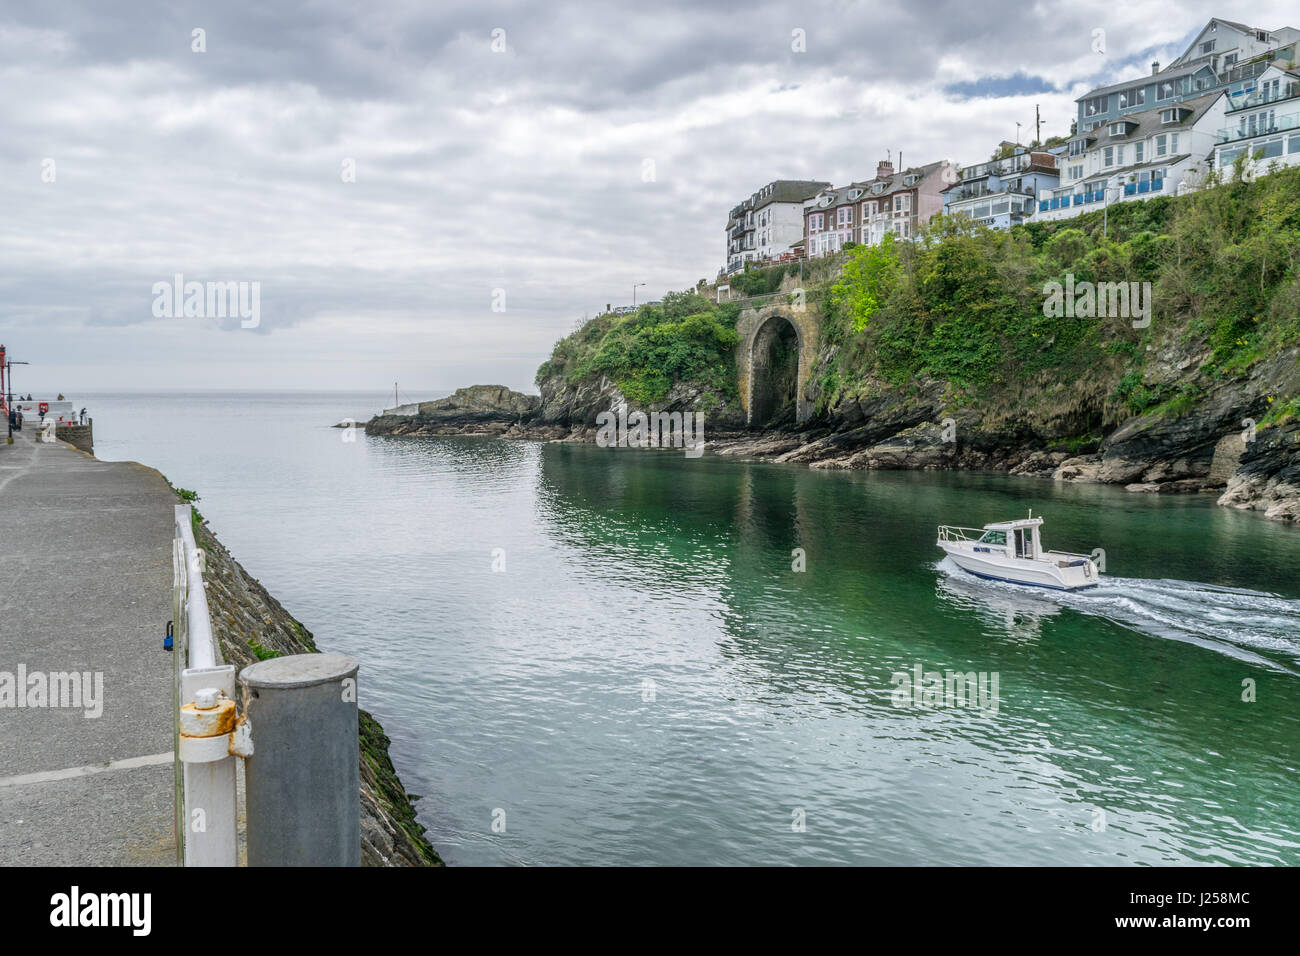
{"type": "Point", "coordinates": [650, 681]}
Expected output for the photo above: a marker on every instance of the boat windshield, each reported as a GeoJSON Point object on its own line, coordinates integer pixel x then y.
{"type": "Point", "coordinates": [994, 537]}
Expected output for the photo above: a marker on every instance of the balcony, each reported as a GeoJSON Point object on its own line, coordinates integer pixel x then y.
{"type": "Point", "coordinates": [1280, 124]}
{"type": "Point", "coordinates": [1261, 98]}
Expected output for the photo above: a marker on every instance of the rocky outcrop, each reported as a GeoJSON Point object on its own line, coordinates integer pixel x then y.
{"type": "Point", "coordinates": [475, 410]}
{"type": "Point", "coordinates": [1268, 478]}
{"type": "Point", "coordinates": [251, 625]}
{"type": "Point", "coordinates": [576, 404]}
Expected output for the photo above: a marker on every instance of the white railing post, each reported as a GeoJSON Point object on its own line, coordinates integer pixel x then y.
{"type": "Point", "coordinates": [205, 716]}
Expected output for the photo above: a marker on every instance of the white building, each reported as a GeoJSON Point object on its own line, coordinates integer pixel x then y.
{"type": "Point", "coordinates": [1136, 156]}
{"type": "Point", "coordinates": [764, 226]}
{"type": "Point", "coordinates": [1262, 123]}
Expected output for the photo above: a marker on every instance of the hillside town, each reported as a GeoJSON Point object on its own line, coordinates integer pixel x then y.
{"type": "Point", "coordinates": [1234, 92]}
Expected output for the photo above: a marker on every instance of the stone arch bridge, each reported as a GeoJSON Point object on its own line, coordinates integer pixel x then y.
{"type": "Point", "coordinates": [768, 331]}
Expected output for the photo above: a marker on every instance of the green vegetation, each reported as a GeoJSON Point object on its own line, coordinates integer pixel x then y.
{"type": "Point", "coordinates": [263, 653]}
{"type": "Point", "coordinates": [966, 303]}
{"type": "Point", "coordinates": [687, 339]}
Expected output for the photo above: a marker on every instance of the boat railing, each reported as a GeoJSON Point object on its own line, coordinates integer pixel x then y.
{"type": "Point", "coordinates": [1068, 554]}
{"type": "Point", "coordinates": [948, 532]}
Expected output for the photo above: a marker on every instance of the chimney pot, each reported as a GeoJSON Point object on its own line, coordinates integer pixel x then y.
{"type": "Point", "coordinates": [1155, 67]}
{"type": "Point", "coordinates": [884, 168]}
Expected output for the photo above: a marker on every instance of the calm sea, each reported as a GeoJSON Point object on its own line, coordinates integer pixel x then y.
{"type": "Point", "coordinates": [592, 655]}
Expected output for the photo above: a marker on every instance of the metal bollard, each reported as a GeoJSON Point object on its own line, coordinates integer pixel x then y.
{"type": "Point", "coordinates": [303, 778]}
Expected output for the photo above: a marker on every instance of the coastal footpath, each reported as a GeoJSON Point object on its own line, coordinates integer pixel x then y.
{"type": "Point", "coordinates": [86, 594]}
{"type": "Point", "coordinates": [960, 351]}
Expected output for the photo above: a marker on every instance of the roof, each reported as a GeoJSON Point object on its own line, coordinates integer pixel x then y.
{"type": "Point", "coordinates": [1169, 73]}
{"type": "Point", "coordinates": [1014, 523]}
{"type": "Point", "coordinates": [1148, 121]}
{"type": "Point", "coordinates": [790, 190]}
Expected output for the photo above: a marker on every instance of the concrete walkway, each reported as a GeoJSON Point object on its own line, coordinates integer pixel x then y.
{"type": "Point", "coordinates": [85, 586]}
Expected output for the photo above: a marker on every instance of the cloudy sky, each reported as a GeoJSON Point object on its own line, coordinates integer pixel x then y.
{"type": "Point", "coordinates": [387, 172]}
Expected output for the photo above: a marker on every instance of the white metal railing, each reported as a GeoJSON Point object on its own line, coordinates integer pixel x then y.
{"type": "Point", "coordinates": [948, 532]}
{"type": "Point", "coordinates": [204, 714]}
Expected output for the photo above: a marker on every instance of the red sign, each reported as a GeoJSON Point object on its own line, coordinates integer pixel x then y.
{"type": "Point", "coordinates": [44, 407]}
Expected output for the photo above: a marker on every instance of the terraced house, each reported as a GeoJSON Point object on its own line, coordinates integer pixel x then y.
{"type": "Point", "coordinates": [765, 226]}
{"type": "Point", "coordinates": [1004, 192]}
{"type": "Point", "coordinates": [1136, 156]}
{"type": "Point", "coordinates": [896, 203]}
{"type": "Point", "coordinates": [1262, 123]}
{"type": "Point", "coordinates": [1224, 56]}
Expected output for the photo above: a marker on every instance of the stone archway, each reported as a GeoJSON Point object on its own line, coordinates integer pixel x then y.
{"type": "Point", "coordinates": [768, 337]}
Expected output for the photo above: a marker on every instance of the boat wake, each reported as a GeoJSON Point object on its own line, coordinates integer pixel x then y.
{"type": "Point", "coordinates": [1251, 625]}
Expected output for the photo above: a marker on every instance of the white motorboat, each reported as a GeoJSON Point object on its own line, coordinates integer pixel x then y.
{"type": "Point", "coordinates": [1012, 551]}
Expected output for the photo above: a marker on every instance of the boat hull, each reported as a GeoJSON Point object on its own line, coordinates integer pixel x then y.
{"type": "Point", "coordinates": [1042, 574]}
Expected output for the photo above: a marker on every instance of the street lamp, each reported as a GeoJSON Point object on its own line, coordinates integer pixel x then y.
{"type": "Point", "coordinates": [7, 387]}
{"type": "Point", "coordinates": [634, 288]}
{"type": "Point", "coordinates": [1105, 206]}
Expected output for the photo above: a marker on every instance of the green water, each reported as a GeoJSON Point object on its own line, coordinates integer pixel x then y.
{"type": "Point", "coordinates": [646, 679]}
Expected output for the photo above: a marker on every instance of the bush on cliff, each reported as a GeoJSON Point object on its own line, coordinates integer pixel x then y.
{"type": "Point", "coordinates": [686, 339]}
{"type": "Point", "coordinates": [966, 303]}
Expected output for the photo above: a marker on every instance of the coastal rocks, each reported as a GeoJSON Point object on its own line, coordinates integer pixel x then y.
{"type": "Point", "coordinates": [577, 404]}
{"type": "Point", "coordinates": [1083, 469]}
{"type": "Point", "coordinates": [475, 410]}
{"type": "Point", "coordinates": [1268, 478]}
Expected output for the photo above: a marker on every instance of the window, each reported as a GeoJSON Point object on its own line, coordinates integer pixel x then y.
{"type": "Point", "coordinates": [1207, 47]}
{"type": "Point", "coordinates": [1138, 150]}
{"type": "Point", "coordinates": [982, 212]}
{"type": "Point", "coordinates": [1001, 207]}
{"type": "Point", "coordinates": [994, 537]}
{"type": "Point", "coordinates": [1131, 98]}
{"type": "Point", "coordinates": [1162, 145]}
{"type": "Point", "coordinates": [1269, 149]}
{"type": "Point", "coordinates": [1169, 116]}
{"type": "Point", "coordinates": [1098, 104]}
{"type": "Point", "coordinates": [1108, 156]}
{"type": "Point", "coordinates": [844, 216]}
{"type": "Point", "coordinates": [1173, 143]}
{"type": "Point", "coordinates": [1165, 89]}
{"type": "Point", "coordinates": [1293, 144]}
{"type": "Point", "coordinates": [1076, 172]}
{"type": "Point", "coordinates": [815, 222]}
{"type": "Point", "coordinates": [1118, 129]}
{"type": "Point", "coordinates": [1077, 147]}
{"type": "Point", "coordinates": [1229, 59]}
{"type": "Point", "coordinates": [868, 209]}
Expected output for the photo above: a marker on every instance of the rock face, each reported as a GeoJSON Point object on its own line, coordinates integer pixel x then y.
{"type": "Point", "coordinates": [1072, 432]}
{"type": "Point", "coordinates": [576, 405]}
{"type": "Point", "coordinates": [476, 410]}
{"type": "Point", "coordinates": [251, 625]}
{"type": "Point", "coordinates": [1268, 478]}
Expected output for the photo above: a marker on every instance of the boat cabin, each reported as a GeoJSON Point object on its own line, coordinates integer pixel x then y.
{"type": "Point", "coordinates": [1020, 537]}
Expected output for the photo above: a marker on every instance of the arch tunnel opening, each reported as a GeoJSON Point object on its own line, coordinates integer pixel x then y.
{"type": "Point", "coordinates": [775, 374]}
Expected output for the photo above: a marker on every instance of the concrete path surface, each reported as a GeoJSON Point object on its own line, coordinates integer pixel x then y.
{"type": "Point", "coordinates": [85, 590]}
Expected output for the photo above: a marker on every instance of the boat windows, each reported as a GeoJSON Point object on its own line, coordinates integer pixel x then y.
{"type": "Point", "coordinates": [1024, 543]}
{"type": "Point", "coordinates": [994, 537]}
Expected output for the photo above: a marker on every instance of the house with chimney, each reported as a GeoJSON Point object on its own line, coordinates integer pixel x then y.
{"type": "Point", "coordinates": [1137, 156]}
{"type": "Point", "coordinates": [1224, 55]}
{"type": "Point", "coordinates": [1004, 192]}
{"type": "Point", "coordinates": [891, 203]}
{"type": "Point", "coordinates": [763, 227]}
